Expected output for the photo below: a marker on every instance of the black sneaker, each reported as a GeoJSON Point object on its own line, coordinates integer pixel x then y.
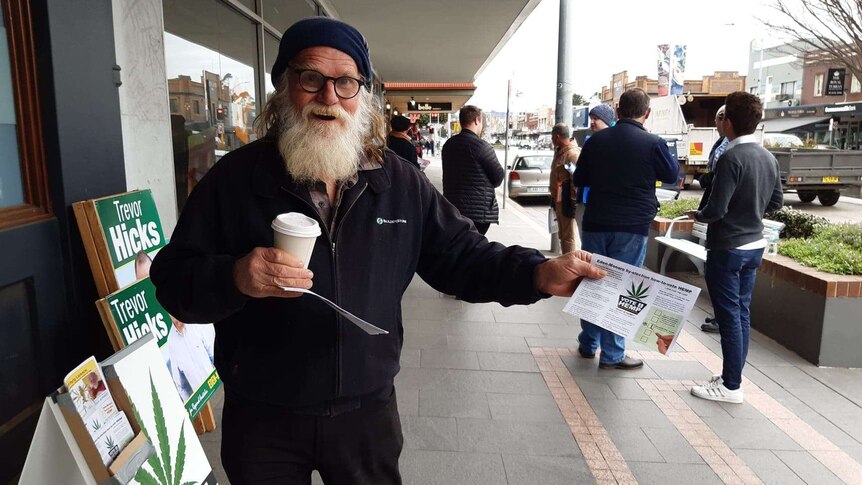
{"type": "Point", "coordinates": [709, 328]}
{"type": "Point", "coordinates": [586, 354]}
{"type": "Point", "coordinates": [628, 363]}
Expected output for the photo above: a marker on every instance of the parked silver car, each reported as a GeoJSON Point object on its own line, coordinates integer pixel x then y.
{"type": "Point", "coordinates": [530, 176]}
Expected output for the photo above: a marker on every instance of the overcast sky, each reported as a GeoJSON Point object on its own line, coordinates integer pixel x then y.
{"type": "Point", "coordinates": [620, 36]}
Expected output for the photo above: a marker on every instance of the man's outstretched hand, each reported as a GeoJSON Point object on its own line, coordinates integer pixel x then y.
{"type": "Point", "coordinates": [561, 275]}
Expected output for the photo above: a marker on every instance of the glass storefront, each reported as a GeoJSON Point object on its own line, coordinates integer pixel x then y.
{"type": "Point", "coordinates": [214, 70]}
{"type": "Point", "coordinates": [11, 189]}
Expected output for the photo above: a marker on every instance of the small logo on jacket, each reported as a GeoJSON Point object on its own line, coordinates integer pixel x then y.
{"type": "Point", "coordinates": [381, 220]}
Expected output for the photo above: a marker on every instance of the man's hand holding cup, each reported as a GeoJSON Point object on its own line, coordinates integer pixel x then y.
{"type": "Point", "coordinates": [263, 271]}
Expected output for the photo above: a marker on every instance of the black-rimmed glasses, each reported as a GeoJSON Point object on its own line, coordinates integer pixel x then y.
{"type": "Point", "coordinates": [311, 81]}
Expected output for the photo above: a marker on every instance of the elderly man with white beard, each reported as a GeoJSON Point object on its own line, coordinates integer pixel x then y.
{"type": "Point", "coordinates": [304, 389]}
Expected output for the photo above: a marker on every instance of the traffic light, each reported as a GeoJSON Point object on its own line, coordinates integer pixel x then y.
{"type": "Point", "coordinates": [220, 113]}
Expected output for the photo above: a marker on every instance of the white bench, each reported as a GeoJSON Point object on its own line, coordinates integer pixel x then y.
{"type": "Point", "coordinates": [664, 195]}
{"type": "Point", "coordinates": [696, 251]}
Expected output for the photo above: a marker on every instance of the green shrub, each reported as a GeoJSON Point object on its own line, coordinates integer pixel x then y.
{"type": "Point", "coordinates": [676, 208]}
{"type": "Point", "coordinates": [835, 248]}
{"type": "Point", "coordinates": [797, 224]}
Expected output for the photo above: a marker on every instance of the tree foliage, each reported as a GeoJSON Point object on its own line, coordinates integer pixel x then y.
{"type": "Point", "coordinates": [830, 31]}
{"type": "Point", "coordinates": [578, 100]}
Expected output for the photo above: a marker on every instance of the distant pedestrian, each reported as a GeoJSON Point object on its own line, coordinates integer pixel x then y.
{"type": "Point", "coordinates": [399, 141]}
{"type": "Point", "coordinates": [566, 154]}
{"type": "Point", "coordinates": [620, 165]}
{"type": "Point", "coordinates": [746, 185]}
{"type": "Point", "coordinates": [471, 171]}
{"type": "Point", "coordinates": [601, 117]}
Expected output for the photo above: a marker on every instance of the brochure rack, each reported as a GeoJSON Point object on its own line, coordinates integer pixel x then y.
{"type": "Point", "coordinates": [62, 451]}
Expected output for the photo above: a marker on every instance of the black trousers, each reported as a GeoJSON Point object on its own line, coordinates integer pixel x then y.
{"type": "Point", "coordinates": [265, 444]}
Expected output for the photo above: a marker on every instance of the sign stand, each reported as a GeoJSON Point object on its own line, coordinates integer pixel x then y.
{"type": "Point", "coordinates": [118, 233]}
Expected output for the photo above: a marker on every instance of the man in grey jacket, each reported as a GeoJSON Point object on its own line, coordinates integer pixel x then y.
{"type": "Point", "coordinates": [746, 186]}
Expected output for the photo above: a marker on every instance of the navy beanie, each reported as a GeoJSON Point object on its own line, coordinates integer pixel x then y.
{"type": "Point", "coordinates": [603, 112]}
{"type": "Point", "coordinates": [321, 32]}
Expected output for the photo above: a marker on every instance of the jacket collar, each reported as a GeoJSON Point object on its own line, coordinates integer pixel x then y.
{"type": "Point", "coordinates": [628, 121]}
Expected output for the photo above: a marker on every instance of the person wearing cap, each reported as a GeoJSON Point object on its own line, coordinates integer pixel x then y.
{"type": "Point", "coordinates": [620, 165]}
{"type": "Point", "coordinates": [305, 389]}
{"type": "Point", "coordinates": [399, 141]}
{"type": "Point", "coordinates": [601, 117]}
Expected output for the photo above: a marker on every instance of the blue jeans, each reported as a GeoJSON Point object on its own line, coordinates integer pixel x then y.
{"type": "Point", "coordinates": [730, 276]}
{"type": "Point", "coordinates": [628, 248]}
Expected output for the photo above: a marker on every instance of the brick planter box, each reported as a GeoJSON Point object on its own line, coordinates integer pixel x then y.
{"type": "Point", "coordinates": [815, 314]}
{"type": "Point", "coordinates": [655, 251]}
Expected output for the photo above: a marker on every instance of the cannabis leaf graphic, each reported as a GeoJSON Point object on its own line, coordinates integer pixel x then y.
{"type": "Point", "coordinates": [161, 460]}
{"type": "Point", "coordinates": [638, 293]}
{"type": "Point", "coordinates": [96, 425]}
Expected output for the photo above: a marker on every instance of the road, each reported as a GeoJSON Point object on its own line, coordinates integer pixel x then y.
{"type": "Point", "coordinates": [848, 209]}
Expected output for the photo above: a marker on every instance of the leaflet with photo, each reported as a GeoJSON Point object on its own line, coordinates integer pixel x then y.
{"type": "Point", "coordinates": [644, 307]}
{"type": "Point", "coordinates": [108, 426]}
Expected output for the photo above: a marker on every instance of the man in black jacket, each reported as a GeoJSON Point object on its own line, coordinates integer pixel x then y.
{"type": "Point", "coordinates": [399, 141]}
{"type": "Point", "coordinates": [304, 388]}
{"type": "Point", "coordinates": [746, 185]}
{"type": "Point", "coordinates": [471, 172]}
{"type": "Point", "coordinates": [620, 165]}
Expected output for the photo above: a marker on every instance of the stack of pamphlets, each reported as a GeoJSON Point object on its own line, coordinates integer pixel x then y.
{"type": "Point", "coordinates": [108, 426]}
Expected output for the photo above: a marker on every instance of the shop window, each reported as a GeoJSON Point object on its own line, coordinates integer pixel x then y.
{"type": "Point", "coordinates": [175, 105]}
{"type": "Point", "coordinates": [212, 71]}
{"type": "Point", "coordinates": [788, 89]}
{"type": "Point", "coordinates": [818, 84]}
{"type": "Point", "coordinates": [270, 52]}
{"type": "Point", "coordinates": [23, 182]}
{"type": "Point", "coordinates": [855, 86]}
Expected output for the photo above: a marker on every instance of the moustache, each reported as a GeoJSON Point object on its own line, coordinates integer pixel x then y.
{"type": "Point", "coordinates": [325, 112]}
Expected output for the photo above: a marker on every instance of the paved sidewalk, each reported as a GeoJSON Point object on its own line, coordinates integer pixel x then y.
{"type": "Point", "coordinates": [493, 395]}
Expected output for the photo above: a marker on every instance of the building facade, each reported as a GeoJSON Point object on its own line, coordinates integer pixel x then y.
{"type": "Point", "coordinates": [775, 74]}
{"type": "Point", "coordinates": [701, 100]}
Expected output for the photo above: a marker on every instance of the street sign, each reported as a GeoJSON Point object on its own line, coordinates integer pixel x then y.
{"type": "Point", "coordinates": [835, 82]}
{"type": "Point", "coordinates": [427, 107]}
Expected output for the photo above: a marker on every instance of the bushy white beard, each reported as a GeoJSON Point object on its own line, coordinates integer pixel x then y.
{"type": "Point", "coordinates": [316, 151]}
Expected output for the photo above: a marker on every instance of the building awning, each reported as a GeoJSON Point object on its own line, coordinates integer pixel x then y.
{"type": "Point", "coordinates": [778, 125]}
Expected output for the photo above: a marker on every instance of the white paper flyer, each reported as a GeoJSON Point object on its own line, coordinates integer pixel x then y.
{"type": "Point", "coordinates": [644, 307]}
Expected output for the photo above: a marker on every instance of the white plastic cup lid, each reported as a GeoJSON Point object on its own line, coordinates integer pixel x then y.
{"type": "Point", "coordinates": [296, 224]}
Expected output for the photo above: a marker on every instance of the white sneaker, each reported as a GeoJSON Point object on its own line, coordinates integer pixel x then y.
{"type": "Point", "coordinates": [714, 390]}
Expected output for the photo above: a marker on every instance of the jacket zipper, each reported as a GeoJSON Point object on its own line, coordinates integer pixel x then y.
{"type": "Point", "coordinates": [331, 237]}
{"type": "Point", "coordinates": [335, 233]}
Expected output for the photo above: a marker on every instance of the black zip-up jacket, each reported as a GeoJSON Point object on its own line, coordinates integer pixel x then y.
{"type": "Point", "coordinates": [297, 351]}
{"type": "Point", "coordinates": [471, 172]}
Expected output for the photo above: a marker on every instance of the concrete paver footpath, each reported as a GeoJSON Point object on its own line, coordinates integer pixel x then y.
{"type": "Point", "coordinates": [494, 395]}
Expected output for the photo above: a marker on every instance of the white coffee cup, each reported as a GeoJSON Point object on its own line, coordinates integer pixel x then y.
{"type": "Point", "coordinates": [295, 234]}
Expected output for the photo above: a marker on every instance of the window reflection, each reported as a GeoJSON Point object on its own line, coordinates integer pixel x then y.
{"type": "Point", "coordinates": [11, 189]}
{"type": "Point", "coordinates": [210, 63]}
